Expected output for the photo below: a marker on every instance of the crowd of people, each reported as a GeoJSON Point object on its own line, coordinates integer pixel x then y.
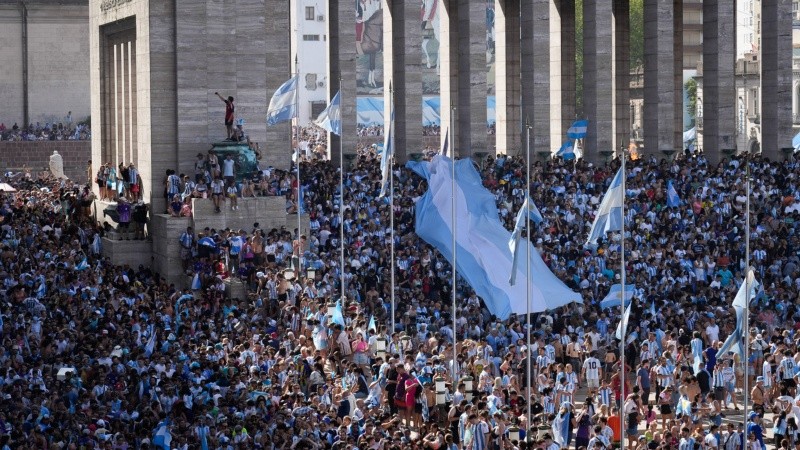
{"type": "Point", "coordinates": [62, 131]}
{"type": "Point", "coordinates": [101, 356]}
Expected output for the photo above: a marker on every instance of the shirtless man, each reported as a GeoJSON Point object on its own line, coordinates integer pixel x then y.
{"type": "Point", "coordinates": [758, 394]}
{"type": "Point", "coordinates": [298, 246]}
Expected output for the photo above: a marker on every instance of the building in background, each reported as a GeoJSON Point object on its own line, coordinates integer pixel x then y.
{"type": "Point", "coordinates": [44, 73]}
{"type": "Point", "coordinates": [309, 42]}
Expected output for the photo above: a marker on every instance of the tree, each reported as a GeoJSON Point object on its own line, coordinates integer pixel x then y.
{"type": "Point", "coordinates": [691, 94]}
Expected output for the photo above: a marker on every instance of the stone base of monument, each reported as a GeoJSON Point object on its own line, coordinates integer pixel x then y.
{"type": "Point", "coordinates": [132, 253]}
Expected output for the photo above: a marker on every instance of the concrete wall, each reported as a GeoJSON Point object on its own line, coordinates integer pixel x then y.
{"type": "Point", "coordinates": [58, 62]}
{"type": "Point", "coordinates": [36, 155]}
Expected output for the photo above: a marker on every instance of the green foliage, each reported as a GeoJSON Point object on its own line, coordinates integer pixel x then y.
{"type": "Point", "coordinates": [691, 94]}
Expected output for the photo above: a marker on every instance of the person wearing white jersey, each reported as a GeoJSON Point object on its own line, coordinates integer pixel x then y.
{"type": "Point", "coordinates": [786, 370]}
{"type": "Point", "coordinates": [592, 371]}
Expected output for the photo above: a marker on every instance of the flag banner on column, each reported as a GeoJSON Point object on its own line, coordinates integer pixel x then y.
{"type": "Point", "coordinates": [609, 215]}
{"type": "Point", "coordinates": [283, 105]}
{"type": "Point", "coordinates": [483, 257]}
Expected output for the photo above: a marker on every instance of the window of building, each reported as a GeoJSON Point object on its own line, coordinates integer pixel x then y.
{"type": "Point", "coordinates": [309, 13]}
{"type": "Point", "coordinates": [310, 37]}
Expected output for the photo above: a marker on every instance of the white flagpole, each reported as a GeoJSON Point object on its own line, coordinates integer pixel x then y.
{"type": "Point", "coordinates": [746, 330]}
{"type": "Point", "coordinates": [528, 270]}
{"type": "Point", "coordinates": [391, 195]}
{"type": "Point", "coordinates": [453, 216]}
{"type": "Point", "coordinates": [299, 268]}
{"type": "Point", "coordinates": [341, 194]}
{"type": "Point", "coordinates": [622, 304]}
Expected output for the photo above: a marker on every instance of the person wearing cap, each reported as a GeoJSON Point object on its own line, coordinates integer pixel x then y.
{"type": "Point", "coordinates": [758, 395]}
{"type": "Point", "coordinates": [754, 428]}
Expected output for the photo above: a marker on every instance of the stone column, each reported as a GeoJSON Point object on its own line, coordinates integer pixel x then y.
{"type": "Point", "coordinates": [402, 66]}
{"type": "Point", "coordinates": [342, 74]}
{"type": "Point", "coordinates": [719, 94]}
{"type": "Point", "coordinates": [471, 127]}
{"type": "Point", "coordinates": [448, 67]}
{"type": "Point", "coordinates": [622, 72]}
{"type": "Point", "coordinates": [663, 77]}
{"type": "Point", "coordinates": [536, 72]}
{"type": "Point", "coordinates": [277, 148]}
{"type": "Point", "coordinates": [561, 59]}
{"type": "Point", "coordinates": [509, 140]}
{"type": "Point", "coordinates": [776, 79]}
{"type": "Point", "coordinates": [598, 77]}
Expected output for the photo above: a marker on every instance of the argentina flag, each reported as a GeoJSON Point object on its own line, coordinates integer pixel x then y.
{"type": "Point", "coordinates": [519, 224]}
{"type": "Point", "coordinates": [614, 296]}
{"type": "Point", "coordinates": [673, 200]}
{"type": "Point", "coordinates": [609, 215]}
{"type": "Point", "coordinates": [331, 118]}
{"type": "Point", "coordinates": [483, 257]}
{"type": "Point", "coordinates": [283, 105]}
{"type": "Point", "coordinates": [578, 129]}
{"type": "Point", "coordinates": [734, 341]}
{"type": "Point", "coordinates": [622, 328]}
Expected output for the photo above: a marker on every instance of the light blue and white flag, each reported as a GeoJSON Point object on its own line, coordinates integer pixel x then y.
{"type": "Point", "coordinates": [734, 342]}
{"type": "Point", "coordinates": [162, 438]}
{"type": "Point", "coordinates": [150, 347]}
{"type": "Point", "coordinates": [622, 328]}
{"type": "Point", "coordinates": [196, 284]}
{"type": "Point", "coordinates": [283, 105]}
{"type": "Point", "coordinates": [613, 299]}
{"type": "Point", "coordinates": [484, 260]}
{"type": "Point", "coordinates": [336, 315]}
{"type": "Point", "coordinates": [566, 151]}
{"type": "Point", "coordinates": [97, 246]}
{"type": "Point", "coordinates": [387, 155]}
{"type": "Point", "coordinates": [372, 326]}
{"type": "Point", "coordinates": [578, 129]}
{"type": "Point", "coordinates": [519, 225]}
{"type": "Point", "coordinates": [673, 201]}
{"type": "Point", "coordinates": [609, 215]}
{"type": "Point", "coordinates": [446, 143]}
{"type": "Point", "coordinates": [41, 291]}
{"type": "Point", "coordinates": [83, 265]}
{"type": "Point", "coordinates": [331, 118]}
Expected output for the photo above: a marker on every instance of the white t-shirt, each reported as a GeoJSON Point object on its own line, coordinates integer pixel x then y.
{"type": "Point", "coordinates": [712, 331]}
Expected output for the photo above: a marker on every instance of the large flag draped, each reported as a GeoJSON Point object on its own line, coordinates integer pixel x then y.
{"type": "Point", "coordinates": [331, 118]}
{"type": "Point", "coordinates": [578, 129]}
{"type": "Point", "coordinates": [283, 105]}
{"type": "Point", "coordinates": [386, 156]}
{"type": "Point", "coordinates": [536, 217]}
{"type": "Point", "coordinates": [482, 242]}
{"type": "Point", "coordinates": [609, 215]}
{"type": "Point", "coordinates": [673, 200]}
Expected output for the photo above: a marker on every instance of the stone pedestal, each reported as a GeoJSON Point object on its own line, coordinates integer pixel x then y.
{"type": "Point", "coordinates": [509, 139]}
{"type": "Point", "coordinates": [663, 76]}
{"type": "Point", "coordinates": [269, 212]}
{"type": "Point", "coordinates": [130, 253]}
{"type": "Point", "coordinates": [719, 94]}
{"type": "Point", "coordinates": [471, 111]}
{"type": "Point", "coordinates": [342, 74]}
{"type": "Point", "coordinates": [560, 56]}
{"type": "Point", "coordinates": [776, 78]}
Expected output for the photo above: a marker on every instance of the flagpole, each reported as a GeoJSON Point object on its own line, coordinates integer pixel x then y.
{"type": "Point", "coordinates": [622, 306]}
{"type": "Point", "coordinates": [341, 191]}
{"type": "Point", "coordinates": [453, 216]}
{"type": "Point", "coordinates": [297, 138]}
{"type": "Point", "coordinates": [746, 331]}
{"type": "Point", "coordinates": [528, 270]}
{"type": "Point", "coordinates": [391, 197]}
